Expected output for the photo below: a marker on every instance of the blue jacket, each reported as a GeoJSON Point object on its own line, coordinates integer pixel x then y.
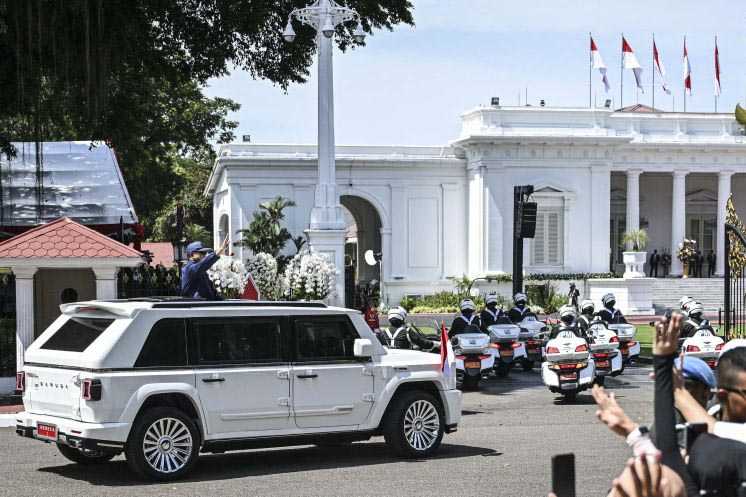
{"type": "Point", "coordinates": [194, 280]}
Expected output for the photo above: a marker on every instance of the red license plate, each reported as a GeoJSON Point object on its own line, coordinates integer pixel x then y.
{"type": "Point", "coordinates": [473, 365]}
{"type": "Point", "coordinates": [44, 430]}
{"type": "Point", "coordinates": [602, 364]}
{"type": "Point", "coordinates": [506, 353]}
{"type": "Point", "coordinates": [569, 377]}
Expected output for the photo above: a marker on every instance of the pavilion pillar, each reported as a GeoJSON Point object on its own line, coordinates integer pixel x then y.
{"type": "Point", "coordinates": [678, 219]}
{"type": "Point", "coordinates": [106, 282]}
{"type": "Point", "coordinates": [24, 311]}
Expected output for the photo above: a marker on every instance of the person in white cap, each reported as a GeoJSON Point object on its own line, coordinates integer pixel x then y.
{"type": "Point", "coordinates": [609, 313]}
{"type": "Point", "coordinates": [491, 312]}
{"type": "Point", "coordinates": [587, 309]}
{"type": "Point", "coordinates": [467, 321]}
{"type": "Point", "coordinates": [400, 336]}
{"type": "Point", "coordinates": [568, 317]}
{"type": "Point", "coordinates": [685, 302]}
{"type": "Point", "coordinates": [520, 308]}
{"type": "Point", "coordinates": [695, 320]}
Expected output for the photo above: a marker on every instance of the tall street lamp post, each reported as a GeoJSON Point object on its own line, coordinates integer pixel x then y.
{"type": "Point", "coordinates": [327, 226]}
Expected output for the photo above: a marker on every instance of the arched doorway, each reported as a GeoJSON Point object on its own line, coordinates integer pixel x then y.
{"type": "Point", "coordinates": [363, 234]}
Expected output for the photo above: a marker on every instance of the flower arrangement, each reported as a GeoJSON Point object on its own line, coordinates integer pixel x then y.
{"type": "Point", "coordinates": [687, 250]}
{"type": "Point", "coordinates": [310, 276]}
{"type": "Point", "coordinates": [263, 268]}
{"type": "Point", "coordinates": [229, 277]}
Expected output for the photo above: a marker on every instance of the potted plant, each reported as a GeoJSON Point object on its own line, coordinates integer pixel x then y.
{"type": "Point", "coordinates": [634, 260]}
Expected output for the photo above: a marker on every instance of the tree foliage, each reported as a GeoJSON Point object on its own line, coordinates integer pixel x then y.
{"type": "Point", "coordinates": [265, 232]}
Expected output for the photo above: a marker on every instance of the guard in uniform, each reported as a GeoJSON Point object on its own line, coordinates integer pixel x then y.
{"type": "Point", "coordinates": [491, 312]}
{"type": "Point", "coordinates": [609, 313]}
{"type": "Point", "coordinates": [467, 321]}
{"type": "Point", "coordinates": [400, 336]}
{"type": "Point", "coordinates": [587, 309]}
{"type": "Point", "coordinates": [520, 308]}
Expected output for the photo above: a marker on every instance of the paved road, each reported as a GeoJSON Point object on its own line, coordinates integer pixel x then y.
{"type": "Point", "coordinates": [503, 447]}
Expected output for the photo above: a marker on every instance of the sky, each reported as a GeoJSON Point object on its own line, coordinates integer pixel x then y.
{"type": "Point", "coordinates": [409, 86]}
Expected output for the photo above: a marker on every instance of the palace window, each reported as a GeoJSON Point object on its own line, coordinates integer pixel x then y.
{"type": "Point", "coordinates": [548, 241]}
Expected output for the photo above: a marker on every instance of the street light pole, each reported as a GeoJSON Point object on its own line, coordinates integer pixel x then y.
{"type": "Point", "coordinates": [326, 232]}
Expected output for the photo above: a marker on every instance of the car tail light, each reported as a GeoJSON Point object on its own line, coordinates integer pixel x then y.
{"type": "Point", "coordinates": [552, 350]}
{"type": "Point", "coordinates": [614, 339]}
{"type": "Point", "coordinates": [719, 347]}
{"type": "Point", "coordinates": [21, 382]}
{"type": "Point", "coordinates": [692, 348]}
{"type": "Point", "coordinates": [460, 357]}
{"type": "Point", "coordinates": [484, 356]}
{"type": "Point", "coordinates": [91, 389]}
{"type": "Point", "coordinates": [601, 355]}
{"type": "Point", "coordinates": [581, 348]}
{"type": "Point", "coordinates": [516, 345]}
{"type": "Point", "coordinates": [567, 366]}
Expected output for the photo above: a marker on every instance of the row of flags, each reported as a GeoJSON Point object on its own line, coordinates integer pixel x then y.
{"type": "Point", "coordinates": [629, 61]}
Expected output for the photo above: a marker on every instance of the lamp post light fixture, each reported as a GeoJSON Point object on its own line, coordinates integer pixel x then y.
{"type": "Point", "coordinates": [324, 16]}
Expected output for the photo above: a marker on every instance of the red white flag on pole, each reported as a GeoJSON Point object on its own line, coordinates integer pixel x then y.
{"type": "Point", "coordinates": [660, 69]}
{"type": "Point", "coordinates": [598, 63]}
{"type": "Point", "coordinates": [717, 69]}
{"type": "Point", "coordinates": [687, 72]}
{"type": "Point", "coordinates": [631, 62]}
{"type": "Point", "coordinates": [447, 357]}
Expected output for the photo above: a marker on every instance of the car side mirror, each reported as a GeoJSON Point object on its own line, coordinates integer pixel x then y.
{"type": "Point", "coordinates": [363, 347]}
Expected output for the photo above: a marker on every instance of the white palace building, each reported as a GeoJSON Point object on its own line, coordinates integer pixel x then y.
{"type": "Point", "coordinates": [437, 212]}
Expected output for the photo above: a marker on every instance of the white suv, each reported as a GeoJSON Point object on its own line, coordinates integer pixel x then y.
{"type": "Point", "coordinates": [165, 379]}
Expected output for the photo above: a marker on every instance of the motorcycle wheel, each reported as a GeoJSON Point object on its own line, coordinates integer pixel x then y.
{"type": "Point", "coordinates": [470, 383]}
{"type": "Point", "coordinates": [600, 380]}
{"type": "Point", "coordinates": [528, 366]}
{"type": "Point", "coordinates": [502, 370]}
{"type": "Point", "coordinates": [570, 396]}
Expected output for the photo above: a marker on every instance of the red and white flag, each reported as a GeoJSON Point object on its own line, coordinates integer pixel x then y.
{"type": "Point", "coordinates": [717, 69]}
{"type": "Point", "coordinates": [447, 357]}
{"type": "Point", "coordinates": [660, 69]}
{"type": "Point", "coordinates": [598, 63]}
{"type": "Point", "coordinates": [630, 62]}
{"type": "Point", "coordinates": [687, 72]}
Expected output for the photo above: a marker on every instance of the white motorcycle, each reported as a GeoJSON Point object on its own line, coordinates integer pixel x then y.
{"type": "Point", "coordinates": [473, 358]}
{"type": "Point", "coordinates": [569, 367]}
{"type": "Point", "coordinates": [628, 346]}
{"type": "Point", "coordinates": [505, 346]}
{"type": "Point", "coordinates": [605, 351]}
{"type": "Point", "coordinates": [704, 344]}
{"type": "Point", "coordinates": [532, 335]}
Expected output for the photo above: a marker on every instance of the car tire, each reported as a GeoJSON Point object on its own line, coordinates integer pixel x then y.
{"type": "Point", "coordinates": [502, 370]}
{"type": "Point", "coordinates": [163, 445]}
{"type": "Point", "coordinates": [84, 457]}
{"type": "Point", "coordinates": [600, 380]}
{"type": "Point", "coordinates": [414, 424]}
{"type": "Point", "coordinates": [570, 396]}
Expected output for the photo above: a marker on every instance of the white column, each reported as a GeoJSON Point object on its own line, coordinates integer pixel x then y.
{"type": "Point", "coordinates": [106, 282]}
{"type": "Point", "coordinates": [235, 220]}
{"type": "Point", "coordinates": [633, 201]}
{"type": "Point", "coordinates": [327, 212]}
{"type": "Point", "coordinates": [331, 243]}
{"type": "Point", "coordinates": [600, 208]}
{"type": "Point", "coordinates": [476, 215]}
{"type": "Point", "coordinates": [678, 219]}
{"type": "Point", "coordinates": [399, 232]}
{"type": "Point", "coordinates": [385, 263]}
{"type": "Point", "coordinates": [24, 311]}
{"type": "Point", "coordinates": [453, 222]}
{"type": "Point", "coordinates": [724, 186]}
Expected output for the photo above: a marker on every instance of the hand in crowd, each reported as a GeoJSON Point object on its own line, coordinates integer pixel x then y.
{"type": "Point", "coordinates": [223, 246]}
{"type": "Point", "coordinates": [610, 412]}
{"type": "Point", "coordinates": [647, 477]}
{"type": "Point", "coordinates": [667, 332]}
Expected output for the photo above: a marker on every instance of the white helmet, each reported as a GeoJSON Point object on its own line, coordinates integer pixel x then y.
{"type": "Point", "coordinates": [609, 297]}
{"type": "Point", "coordinates": [567, 310]}
{"type": "Point", "coordinates": [520, 297]}
{"type": "Point", "coordinates": [491, 298]}
{"type": "Point", "coordinates": [397, 313]}
{"type": "Point", "coordinates": [467, 304]}
{"type": "Point", "coordinates": [695, 308]}
{"type": "Point", "coordinates": [587, 304]}
{"type": "Point", "coordinates": [685, 302]}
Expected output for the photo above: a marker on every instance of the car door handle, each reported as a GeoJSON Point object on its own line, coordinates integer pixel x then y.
{"type": "Point", "coordinates": [212, 380]}
{"type": "Point", "coordinates": [306, 376]}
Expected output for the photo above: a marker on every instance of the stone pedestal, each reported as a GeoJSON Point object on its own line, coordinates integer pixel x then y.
{"type": "Point", "coordinates": [634, 264]}
{"type": "Point", "coordinates": [634, 296]}
{"type": "Point", "coordinates": [331, 243]}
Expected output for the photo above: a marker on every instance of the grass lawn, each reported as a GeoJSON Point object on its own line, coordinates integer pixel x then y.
{"type": "Point", "coordinates": [645, 337]}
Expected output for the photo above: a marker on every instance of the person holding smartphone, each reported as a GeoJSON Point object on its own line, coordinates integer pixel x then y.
{"type": "Point", "coordinates": [194, 280]}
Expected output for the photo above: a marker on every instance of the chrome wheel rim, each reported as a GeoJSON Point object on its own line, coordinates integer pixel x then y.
{"type": "Point", "coordinates": [167, 445]}
{"type": "Point", "coordinates": [421, 425]}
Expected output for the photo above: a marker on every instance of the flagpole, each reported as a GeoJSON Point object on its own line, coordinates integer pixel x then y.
{"type": "Point", "coordinates": [687, 58]}
{"type": "Point", "coordinates": [590, 71]}
{"type": "Point", "coordinates": [621, 77]}
{"type": "Point", "coordinates": [653, 91]}
{"type": "Point", "coordinates": [717, 76]}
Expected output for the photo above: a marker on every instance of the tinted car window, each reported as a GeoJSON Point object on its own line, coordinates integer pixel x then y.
{"type": "Point", "coordinates": [165, 346]}
{"type": "Point", "coordinates": [77, 334]}
{"type": "Point", "coordinates": [323, 338]}
{"type": "Point", "coordinates": [238, 340]}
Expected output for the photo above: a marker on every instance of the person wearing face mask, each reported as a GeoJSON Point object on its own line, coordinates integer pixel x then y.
{"type": "Point", "coordinates": [587, 309]}
{"type": "Point", "coordinates": [685, 302]}
{"type": "Point", "coordinates": [520, 308]}
{"type": "Point", "coordinates": [568, 322]}
{"type": "Point", "coordinates": [400, 336]}
{"type": "Point", "coordinates": [491, 312]}
{"type": "Point", "coordinates": [695, 320]}
{"type": "Point", "coordinates": [467, 321]}
{"type": "Point", "coordinates": [610, 314]}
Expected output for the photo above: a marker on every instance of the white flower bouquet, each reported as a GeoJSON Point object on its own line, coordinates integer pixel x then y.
{"type": "Point", "coordinates": [687, 250]}
{"type": "Point", "coordinates": [310, 276]}
{"type": "Point", "coordinates": [229, 277]}
{"type": "Point", "coordinates": [263, 268]}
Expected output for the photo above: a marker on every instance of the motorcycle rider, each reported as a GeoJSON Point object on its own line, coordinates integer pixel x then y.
{"type": "Point", "coordinates": [400, 336]}
{"type": "Point", "coordinates": [467, 321]}
{"type": "Point", "coordinates": [491, 312]}
{"type": "Point", "coordinates": [568, 322]}
{"type": "Point", "coordinates": [520, 308]}
{"type": "Point", "coordinates": [609, 313]}
{"type": "Point", "coordinates": [587, 310]}
{"type": "Point", "coordinates": [685, 302]}
{"type": "Point", "coordinates": [694, 320]}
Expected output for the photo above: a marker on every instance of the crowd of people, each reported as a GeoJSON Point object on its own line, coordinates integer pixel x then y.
{"type": "Point", "coordinates": [659, 264]}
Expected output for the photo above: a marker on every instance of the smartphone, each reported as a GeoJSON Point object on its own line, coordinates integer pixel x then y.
{"type": "Point", "coordinates": [563, 475]}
